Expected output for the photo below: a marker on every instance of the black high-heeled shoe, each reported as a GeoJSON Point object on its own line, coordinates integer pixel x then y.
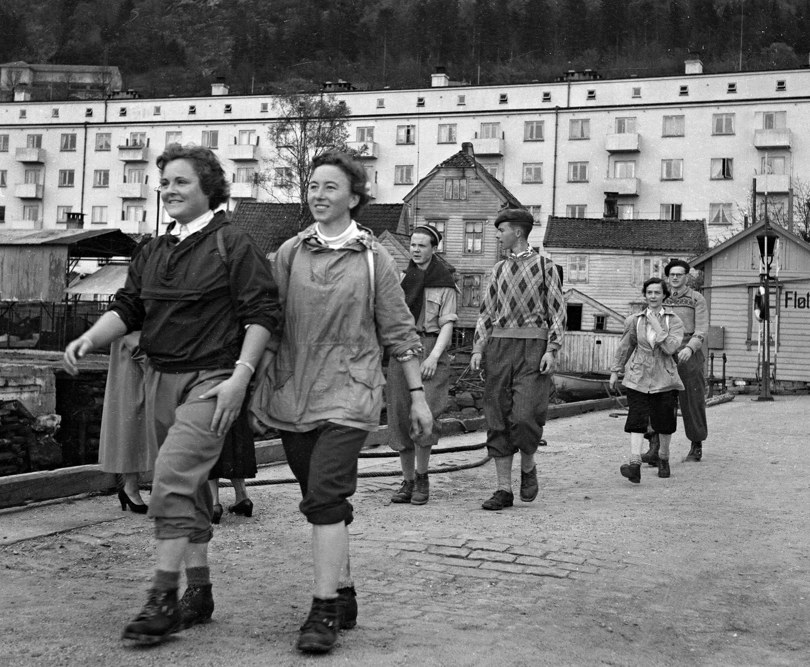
{"type": "Point", "coordinates": [217, 515]}
{"type": "Point", "coordinates": [243, 507]}
{"type": "Point", "coordinates": [126, 501]}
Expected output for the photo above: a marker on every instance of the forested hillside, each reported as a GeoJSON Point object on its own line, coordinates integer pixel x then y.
{"type": "Point", "coordinates": [178, 47]}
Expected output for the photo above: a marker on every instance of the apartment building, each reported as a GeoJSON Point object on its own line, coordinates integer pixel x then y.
{"type": "Point", "coordinates": [675, 148]}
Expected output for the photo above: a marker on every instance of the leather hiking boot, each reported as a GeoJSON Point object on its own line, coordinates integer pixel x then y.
{"type": "Point", "coordinates": [405, 492]}
{"type": "Point", "coordinates": [196, 605]}
{"type": "Point", "coordinates": [347, 607]}
{"type": "Point", "coordinates": [663, 467]}
{"type": "Point", "coordinates": [650, 457]}
{"type": "Point", "coordinates": [421, 489]}
{"type": "Point", "coordinates": [500, 500]}
{"type": "Point", "coordinates": [695, 453]}
{"type": "Point", "coordinates": [159, 618]}
{"type": "Point", "coordinates": [320, 631]}
{"type": "Point", "coordinates": [528, 485]}
{"type": "Point", "coordinates": [632, 471]}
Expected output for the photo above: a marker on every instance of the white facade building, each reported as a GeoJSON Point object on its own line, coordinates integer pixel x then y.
{"type": "Point", "coordinates": [684, 147]}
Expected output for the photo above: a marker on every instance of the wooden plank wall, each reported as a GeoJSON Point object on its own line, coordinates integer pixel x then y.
{"type": "Point", "coordinates": [32, 273]}
{"type": "Point", "coordinates": [587, 352]}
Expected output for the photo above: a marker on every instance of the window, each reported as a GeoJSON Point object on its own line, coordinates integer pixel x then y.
{"type": "Point", "coordinates": [781, 86]}
{"type": "Point", "coordinates": [103, 141]}
{"type": "Point", "coordinates": [474, 236]}
{"type": "Point", "coordinates": [636, 92]}
{"type": "Point", "coordinates": [599, 322]}
{"type": "Point", "coordinates": [579, 128]}
{"type": "Point", "coordinates": [156, 110]}
{"type": "Point", "coordinates": [774, 120]}
{"type": "Point", "coordinates": [575, 210]}
{"type": "Point", "coordinates": [33, 141]}
{"type": "Point", "coordinates": [772, 164]}
{"type": "Point", "coordinates": [491, 168]}
{"type": "Point", "coordinates": [365, 134]}
{"type": "Point", "coordinates": [533, 130]}
{"type": "Point", "coordinates": [723, 123]}
{"type": "Point", "coordinates": [3, 143]}
{"type": "Point", "coordinates": [577, 269]}
{"type": "Point", "coordinates": [672, 170]}
{"type": "Point", "coordinates": [577, 172]}
{"type": "Point", "coordinates": [67, 142]}
{"type": "Point", "coordinates": [591, 95]}
{"type": "Point", "coordinates": [503, 98]}
{"type": "Point", "coordinates": [732, 88]}
{"type": "Point", "coordinates": [535, 210]}
{"type": "Point", "coordinates": [381, 103]}
{"type": "Point", "coordinates": [99, 215]}
{"type": "Point", "coordinates": [210, 139]}
{"type": "Point", "coordinates": [122, 111]}
{"type": "Point", "coordinates": [722, 168]}
{"type": "Point", "coordinates": [283, 177]}
{"type": "Point", "coordinates": [61, 213]}
{"type": "Point", "coordinates": [403, 174]}
{"type": "Point", "coordinates": [440, 226]}
{"type": "Point", "coordinates": [447, 133]}
{"type": "Point", "coordinates": [720, 214]}
{"type": "Point", "coordinates": [192, 109]}
{"type": "Point", "coordinates": [2, 213]}
{"type": "Point", "coordinates": [33, 176]}
{"type": "Point", "coordinates": [683, 91]}
{"type": "Point", "coordinates": [174, 137]}
{"type": "Point", "coordinates": [490, 131]}
{"type": "Point", "coordinates": [101, 178]}
{"type": "Point", "coordinates": [31, 212]}
{"type": "Point", "coordinates": [246, 137]}
{"type": "Point", "coordinates": [133, 213]}
{"type": "Point", "coordinates": [88, 112]}
{"type": "Point", "coordinates": [624, 169]}
{"type": "Point", "coordinates": [264, 107]}
{"type": "Point", "coordinates": [3, 178]}
{"type": "Point", "coordinates": [673, 126]}
{"type": "Point", "coordinates": [455, 188]}
{"type": "Point", "coordinates": [462, 100]}
{"type": "Point", "coordinates": [420, 101]}
{"type": "Point", "coordinates": [625, 125]}
{"type": "Point", "coordinates": [647, 267]}
{"type": "Point", "coordinates": [532, 172]}
{"type": "Point", "coordinates": [670, 212]}
{"type": "Point", "coordinates": [66, 178]}
{"type": "Point", "coordinates": [471, 290]}
{"type": "Point", "coordinates": [406, 134]}
{"type": "Point", "coordinates": [228, 108]}
{"type": "Point", "coordinates": [546, 96]}
{"type": "Point", "coordinates": [137, 139]}
{"type": "Point", "coordinates": [246, 175]}
{"type": "Point", "coordinates": [135, 175]}
{"type": "Point", "coordinates": [626, 211]}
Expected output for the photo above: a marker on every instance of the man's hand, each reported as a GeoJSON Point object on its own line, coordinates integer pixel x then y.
{"type": "Point", "coordinates": [475, 361]}
{"type": "Point", "coordinates": [614, 381]}
{"type": "Point", "coordinates": [548, 363]}
{"type": "Point", "coordinates": [421, 418]}
{"type": "Point", "coordinates": [428, 368]}
{"type": "Point", "coordinates": [684, 355]}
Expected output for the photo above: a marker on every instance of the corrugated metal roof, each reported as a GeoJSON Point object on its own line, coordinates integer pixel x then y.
{"type": "Point", "coordinates": [81, 242]}
{"type": "Point", "coordinates": [107, 280]}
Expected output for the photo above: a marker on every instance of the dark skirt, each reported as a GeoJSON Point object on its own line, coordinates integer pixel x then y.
{"type": "Point", "coordinates": [238, 458]}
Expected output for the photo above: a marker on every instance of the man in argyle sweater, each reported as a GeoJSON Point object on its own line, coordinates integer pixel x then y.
{"type": "Point", "coordinates": [519, 332]}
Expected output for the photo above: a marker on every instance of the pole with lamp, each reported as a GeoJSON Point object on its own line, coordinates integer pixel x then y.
{"type": "Point", "coordinates": [767, 244]}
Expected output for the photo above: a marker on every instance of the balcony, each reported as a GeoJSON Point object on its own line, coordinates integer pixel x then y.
{"type": "Point", "coordinates": [623, 143]}
{"type": "Point", "coordinates": [240, 152]}
{"type": "Point", "coordinates": [772, 183]}
{"type": "Point", "coordinates": [623, 186]}
{"type": "Point", "coordinates": [30, 155]}
{"type": "Point", "coordinates": [133, 153]}
{"type": "Point", "coordinates": [765, 139]}
{"type": "Point", "coordinates": [244, 190]}
{"type": "Point", "coordinates": [29, 190]}
{"type": "Point", "coordinates": [488, 146]}
{"type": "Point", "coordinates": [366, 150]}
{"type": "Point", "coordinates": [133, 190]}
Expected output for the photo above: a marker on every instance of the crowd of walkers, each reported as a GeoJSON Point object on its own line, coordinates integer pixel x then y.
{"type": "Point", "coordinates": [203, 315]}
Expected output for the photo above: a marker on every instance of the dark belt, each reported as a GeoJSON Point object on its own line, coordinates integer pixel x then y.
{"type": "Point", "coordinates": [425, 334]}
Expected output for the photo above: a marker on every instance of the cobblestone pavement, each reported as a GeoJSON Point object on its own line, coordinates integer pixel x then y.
{"type": "Point", "coordinates": [709, 567]}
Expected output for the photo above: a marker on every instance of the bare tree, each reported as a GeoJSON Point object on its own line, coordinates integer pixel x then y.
{"type": "Point", "coordinates": [780, 209]}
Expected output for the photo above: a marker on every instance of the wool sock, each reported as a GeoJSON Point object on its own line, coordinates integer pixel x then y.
{"type": "Point", "coordinates": [198, 576]}
{"type": "Point", "coordinates": [165, 581]}
{"type": "Point", "coordinates": [663, 450]}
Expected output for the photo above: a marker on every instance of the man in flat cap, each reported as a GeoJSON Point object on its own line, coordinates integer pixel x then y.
{"type": "Point", "coordinates": [690, 306]}
{"type": "Point", "coordinates": [519, 332]}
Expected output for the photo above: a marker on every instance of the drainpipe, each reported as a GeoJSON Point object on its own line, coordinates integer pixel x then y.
{"type": "Point", "coordinates": [84, 167]}
{"type": "Point", "coordinates": [554, 163]}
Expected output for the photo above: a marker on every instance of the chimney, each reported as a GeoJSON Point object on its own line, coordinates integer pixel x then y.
{"type": "Point", "coordinates": [219, 87]}
{"type": "Point", "coordinates": [467, 148]}
{"type": "Point", "coordinates": [439, 78]}
{"type": "Point", "coordinates": [693, 65]}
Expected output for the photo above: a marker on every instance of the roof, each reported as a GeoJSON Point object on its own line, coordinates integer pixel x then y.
{"type": "Point", "coordinates": [270, 223]}
{"type": "Point", "coordinates": [747, 233]}
{"type": "Point", "coordinates": [107, 280]}
{"type": "Point", "coordinates": [80, 242]}
{"type": "Point", "coordinates": [685, 237]}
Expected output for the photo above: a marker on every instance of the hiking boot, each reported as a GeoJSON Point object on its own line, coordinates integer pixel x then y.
{"type": "Point", "coordinates": [159, 618]}
{"type": "Point", "coordinates": [500, 500]}
{"type": "Point", "coordinates": [320, 631]}
{"type": "Point", "coordinates": [528, 485]}
{"type": "Point", "coordinates": [405, 492]}
{"type": "Point", "coordinates": [632, 471]}
{"type": "Point", "coordinates": [347, 607]}
{"type": "Point", "coordinates": [663, 467]}
{"type": "Point", "coordinates": [650, 457]}
{"type": "Point", "coordinates": [695, 453]}
{"type": "Point", "coordinates": [421, 489]}
{"type": "Point", "coordinates": [196, 606]}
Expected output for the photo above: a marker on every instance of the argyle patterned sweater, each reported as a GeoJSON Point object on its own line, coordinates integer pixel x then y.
{"type": "Point", "coordinates": [519, 303]}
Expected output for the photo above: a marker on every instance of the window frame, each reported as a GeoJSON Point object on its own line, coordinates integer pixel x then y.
{"type": "Point", "coordinates": [721, 169]}
{"type": "Point", "coordinates": [451, 133]}
{"type": "Point", "coordinates": [67, 142]}
{"type": "Point", "coordinates": [672, 169]}
{"type": "Point", "coordinates": [679, 122]}
{"type": "Point", "coordinates": [530, 171]}
{"type": "Point", "coordinates": [403, 174]}
{"type": "Point", "coordinates": [473, 237]}
{"type": "Point", "coordinates": [578, 166]}
{"type": "Point", "coordinates": [456, 188]}
{"type": "Point", "coordinates": [723, 124]}
{"type": "Point", "coordinates": [471, 286]}
{"type": "Point", "coordinates": [530, 130]}
{"type": "Point", "coordinates": [722, 210]}
{"type": "Point", "coordinates": [406, 135]}
{"type": "Point", "coordinates": [576, 270]}
{"type": "Point", "coordinates": [584, 125]}
{"type": "Point", "coordinates": [67, 178]}
{"type": "Point", "coordinates": [101, 178]}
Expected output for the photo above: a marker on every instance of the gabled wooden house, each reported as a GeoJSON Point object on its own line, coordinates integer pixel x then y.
{"type": "Point", "coordinates": [461, 199]}
{"type": "Point", "coordinates": [731, 274]}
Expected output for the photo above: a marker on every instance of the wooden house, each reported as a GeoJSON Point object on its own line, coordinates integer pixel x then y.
{"type": "Point", "coordinates": [731, 273]}
{"type": "Point", "coordinates": [461, 199]}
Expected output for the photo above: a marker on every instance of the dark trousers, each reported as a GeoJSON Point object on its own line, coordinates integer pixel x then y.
{"type": "Point", "coordinates": [659, 410]}
{"type": "Point", "coordinates": [324, 461]}
{"type": "Point", "coordinates": [515, 395]}
{"type": "Point", "coordinates": [692, 399]}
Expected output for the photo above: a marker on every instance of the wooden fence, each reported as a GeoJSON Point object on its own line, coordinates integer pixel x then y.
{"type": "Point", "coordinates": [587, 352]}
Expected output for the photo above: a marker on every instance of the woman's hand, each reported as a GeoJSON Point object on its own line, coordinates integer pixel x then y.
{"type": "Point", "coordinates": [229, 394]}
{"type": "Point", "coordinates": [76, 350]}
{"type": "Point", "coordinates": [428, 367]}
{"type": "Point", "coordinates": [614, 381]}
